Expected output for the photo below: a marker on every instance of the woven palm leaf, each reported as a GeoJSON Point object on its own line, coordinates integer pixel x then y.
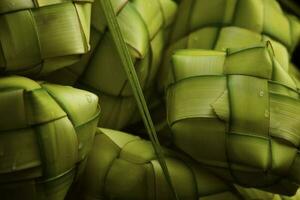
{"type": "Point", "coordinates": [295, 74]}
{"type": "Point", "coordinates": [46, 133]}
{"type": "Point", "coordinates": [40, 36]}
{"type": "Point", "coordinates": [200, 25]}
{"type": "Point", "coordinates": [144, 24]}
{"type": "Point", "coordinates": [123, 166]}
{"type": "Point", "coordinates": [221, 24]}
{"type": "Point", "coordinates": [254, 194]}
{"type": "Point", "coordinates": [238, 112]}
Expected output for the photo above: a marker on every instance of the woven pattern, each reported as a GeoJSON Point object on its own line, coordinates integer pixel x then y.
{"type": "Point", "coordinates": [123, 166]}
{"type": "Point", "coordinates": [232, 24]}
{"type": "Point", "coordinates": [254, 194]}
{"type": "Point", "coordinates": [40, 36]}
{"type": "Point", "coordinates": [243, 108]}
{"type": "Point", "coordinates": [46, 132]}
{"type": "Point", "coordinates": [144, 25]}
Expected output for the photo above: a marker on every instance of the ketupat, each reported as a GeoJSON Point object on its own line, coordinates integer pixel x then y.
{"type": "Point", "coordinates": [254, 194]}
{"type": "Point", "coordinates": [281, 53]}
{"type": "Point", "coordinates": [123, 166]}
{"type": "Point", "coordinates": [38, 37]}
{"type": "Point", "coordinates": [242, 108]}
{"type": "Point", "coordinates": [145, 26]}
{"type": "Point", "coordinates": [245, 24]}
{"type": "Point", "coordinates": [47, 132]}
{"type": "Point", "coordinates": [232, 24]}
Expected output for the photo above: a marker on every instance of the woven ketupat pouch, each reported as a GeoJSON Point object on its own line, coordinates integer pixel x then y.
{"type": "Point", "coordinates": [222, 24]}
{"type": "Point", "coordinates": [145, 25]}
{"type": "Point", "coordinates": [41, 36]}
{"type": "Point", "coordinates": [124, 166]}
{"type": "Point", "coordinates": [238, 112]}
{"type": "Point", "coordinates": [46, 132]}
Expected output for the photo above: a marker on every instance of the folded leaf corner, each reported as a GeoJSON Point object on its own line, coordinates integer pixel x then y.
{"type": "Point", "coordinates": [221, 107]}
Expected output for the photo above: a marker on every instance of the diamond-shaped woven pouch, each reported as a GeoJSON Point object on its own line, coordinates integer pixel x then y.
{"type": "Point", "coordinates": [40, 36]}
{"type": "Point", "coordinates": [124, 166]}
{"type": "Point", "coordinates": [222, 24]}
{"type": "Point", "coordinates": [46, 133]}
{"type": "Point", "coordinates": [145, 25]}
{"type": "Point", "coordinates": [237, 111]}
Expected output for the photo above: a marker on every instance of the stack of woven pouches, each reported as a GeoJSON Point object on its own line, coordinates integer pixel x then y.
{"type": "Point", "coordinates": [46, 130]}
{"type": "Point", "coordinates": [230, 97]}
{"type": "Point", "coordinates": [145, 26]}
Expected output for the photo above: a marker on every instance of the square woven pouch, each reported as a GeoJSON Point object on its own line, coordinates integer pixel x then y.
{"type": "Point", "coordinates": [47, 132]}
{"type": "Point", "coordinates": [238, 112]}
{"type": "Point", "coordinates": [38, 37]}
